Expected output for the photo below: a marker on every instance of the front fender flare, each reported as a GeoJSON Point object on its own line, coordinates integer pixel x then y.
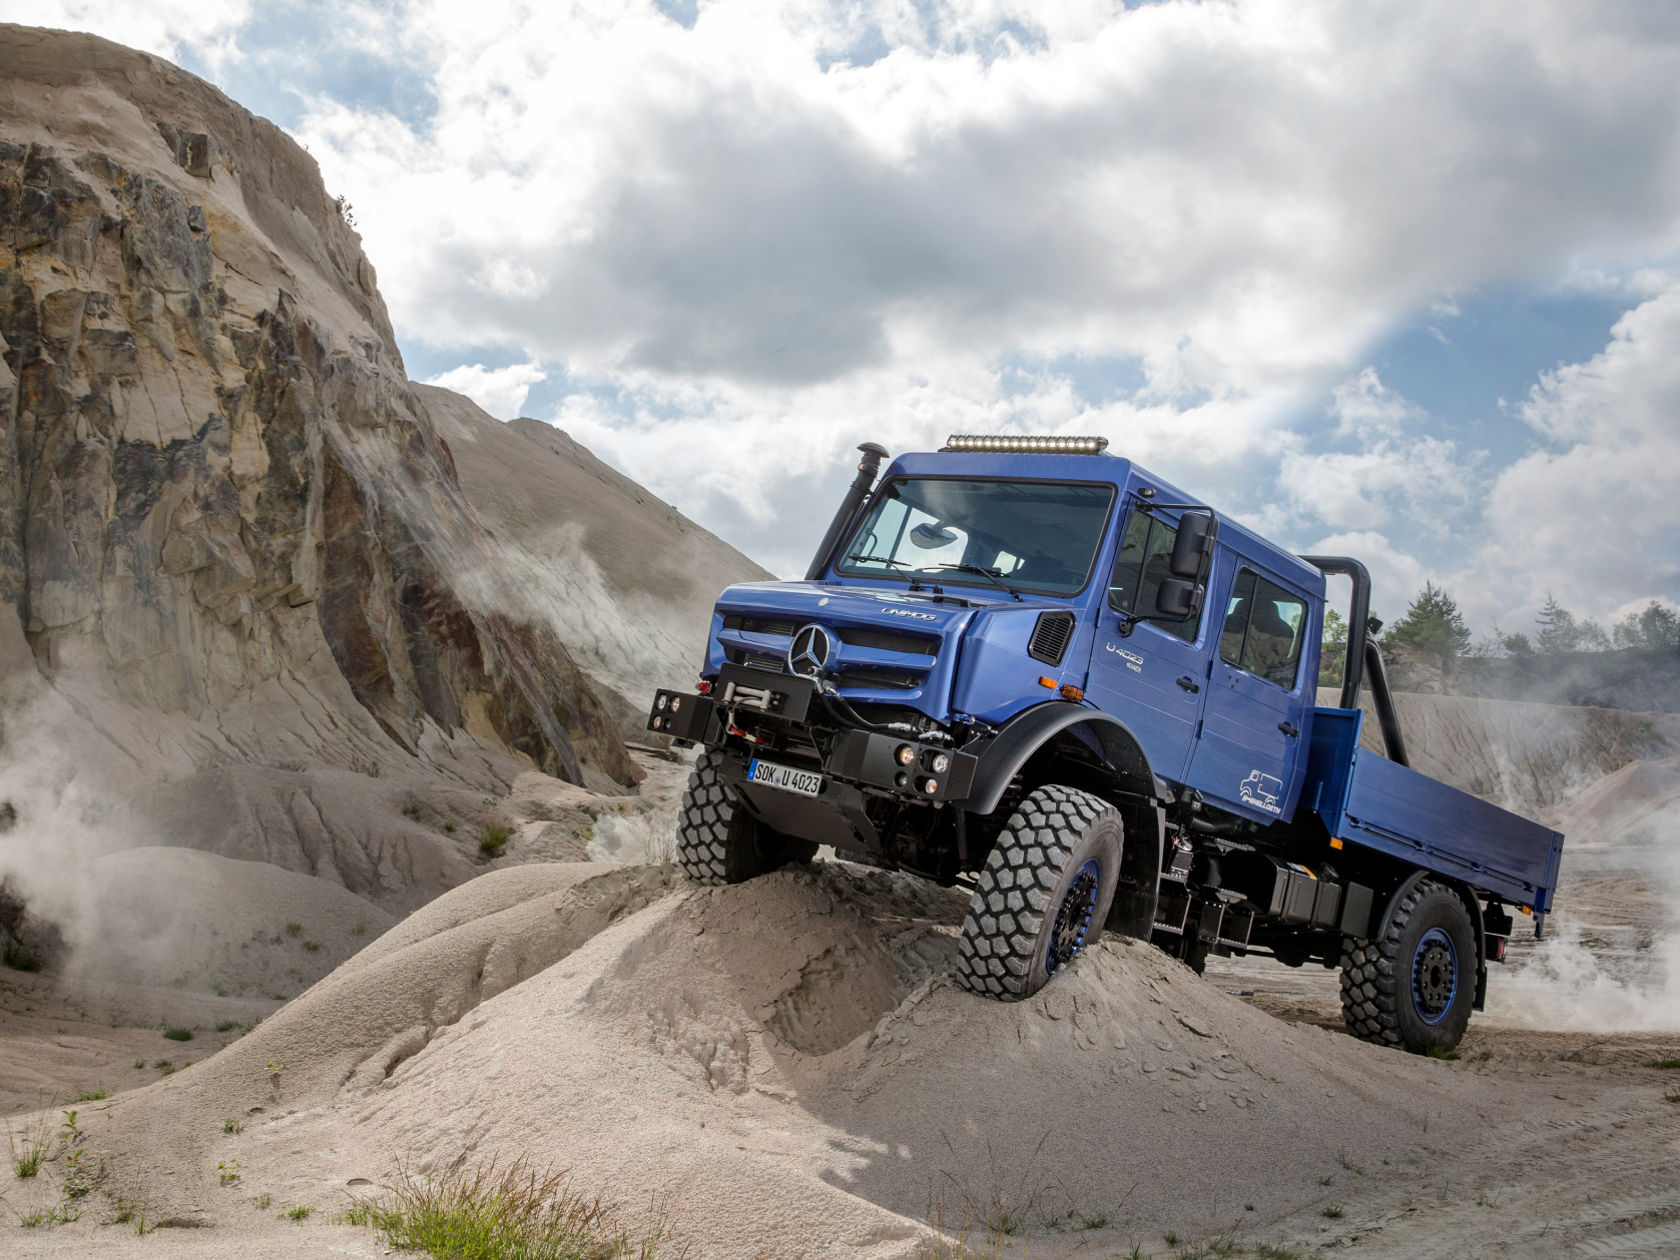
{"type": "Point", "coordinates": [1002, 757]}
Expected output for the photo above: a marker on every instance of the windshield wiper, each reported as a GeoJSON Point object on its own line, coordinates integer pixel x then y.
{"type": "Point", "coordinates": [991, 575]}
{"type": "Point", "coordinates": [861, 559]}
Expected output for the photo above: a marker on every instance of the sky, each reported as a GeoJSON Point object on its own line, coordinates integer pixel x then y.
{"type": "Point", "coordinates": [1397, 280]}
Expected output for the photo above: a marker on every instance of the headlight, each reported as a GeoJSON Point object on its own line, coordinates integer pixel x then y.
{"type": "Point", "coordinates": [939, 763]}
{"type": "Point", "coordinates": [904, 754]}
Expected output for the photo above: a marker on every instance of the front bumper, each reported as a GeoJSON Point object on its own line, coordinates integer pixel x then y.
{"type": "Point", "coordinates": [899, 766]}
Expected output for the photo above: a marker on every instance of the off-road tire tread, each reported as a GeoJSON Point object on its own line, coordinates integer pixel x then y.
{"type": "Point", "coordinates": [1372, 973]}
{"type": "Point", "coordinates": [708, 809]}
{"type": "Point", "coordinates": [1012, 894]}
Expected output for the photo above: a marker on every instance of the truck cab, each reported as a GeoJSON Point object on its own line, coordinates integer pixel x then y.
{"type": "Point", "coordinates": [1036, 669]}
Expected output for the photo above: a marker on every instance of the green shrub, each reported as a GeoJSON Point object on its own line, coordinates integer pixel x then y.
{"type": "Point", "coordinates": [496, 1212]}
{"type": "Point", "coordinates": [491, 839]}
{"type": "Point", "coordinates": [178, 1034]}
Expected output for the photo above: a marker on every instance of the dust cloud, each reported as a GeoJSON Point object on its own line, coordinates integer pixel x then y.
{"type": "Point", "coordinates": [1611, 960]}
{"type": "Point", "coordinates": [66, 794]}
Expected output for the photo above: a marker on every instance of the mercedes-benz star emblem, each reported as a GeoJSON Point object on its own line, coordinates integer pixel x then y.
{"type": "Point", "coordinates": [809, 652]}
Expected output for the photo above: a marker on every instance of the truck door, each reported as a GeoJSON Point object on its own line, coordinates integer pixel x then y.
{"type": "Point", "coordinates": [1249, 757]}
{"type": "Point", "coordinates": [1151, 678]}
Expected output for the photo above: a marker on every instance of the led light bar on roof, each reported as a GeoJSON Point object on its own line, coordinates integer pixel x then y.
{"type": "Point", "coordinates": [1027, 445]}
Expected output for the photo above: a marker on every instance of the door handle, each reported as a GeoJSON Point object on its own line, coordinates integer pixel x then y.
{"type": "Point", "coordinates": [1288, 730]}
{"type": "Point", "coordinates": [1188, 683]}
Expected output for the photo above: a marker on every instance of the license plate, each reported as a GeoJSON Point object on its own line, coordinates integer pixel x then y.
{"type": "Point", "coordinates": [805, 782]}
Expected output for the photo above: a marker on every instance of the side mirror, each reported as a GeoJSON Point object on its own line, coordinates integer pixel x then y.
{"type": "Point", "coordinates": [1178, 600]}
{"type": "Point", "coordinates": [1193, 546]}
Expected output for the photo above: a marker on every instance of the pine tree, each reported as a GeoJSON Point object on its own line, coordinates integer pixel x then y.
{"type": "Point", "coordinates": [1432, 624]}
{"type": "Point", "coordinates": [1558, 631]}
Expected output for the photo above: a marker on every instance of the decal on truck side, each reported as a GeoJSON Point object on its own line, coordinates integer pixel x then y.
{"type": "Point", "coordinates": [1134, 662]}
{"type": "Point", "coordinates": [1262, 791]}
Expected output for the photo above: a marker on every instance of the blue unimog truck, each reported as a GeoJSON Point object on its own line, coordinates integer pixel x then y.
{"type": "Point", "coordinates": [1033, 668]}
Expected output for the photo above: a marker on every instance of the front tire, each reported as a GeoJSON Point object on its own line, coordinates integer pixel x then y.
{"type": "Point", "coordinates": [1043, 894]}
{"type": "Point", "coordinates": [1414, 986]}
{"type": "Point", "coordinates": [718, 841]}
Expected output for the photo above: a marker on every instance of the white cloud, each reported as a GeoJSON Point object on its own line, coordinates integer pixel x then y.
{"type": "Point", "coordinates": [500, 391]}
{"type": "Point", "coordinates": [1235, 193]}
{"type": "Point", "coordinates": [1591, 516]}
{"type": "Point", "coordinates": [1363, 405]}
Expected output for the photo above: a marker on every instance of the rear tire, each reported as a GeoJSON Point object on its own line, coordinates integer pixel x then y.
{"type": "Point", "coordinates": [718, 841]}
{"type": "Point", "coordinates": [1043, 894]}
{"type": "Point", "coordinates": [1414, 986]}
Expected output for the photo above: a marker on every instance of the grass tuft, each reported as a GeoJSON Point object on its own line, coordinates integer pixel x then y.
{"type": "Point", "coordinates": [294, 928]}
{"type": "Point", "coordinates": [1334, 1212]}
{"type": "Point", "coordinates": [91, 1095]}
{"type": "Point", "coordinates": [1436, 1052]}
{"type": "Point", "coordinates": [500, 1211]}
{"type": "Point", "coordinates": [226, 1025]}
{"type": "Point", "coordinates": [492, 839]}
{"type": "Point", "coordinates": [300, 1213]}
{"type": "Point", "coordinates": [29, 1147]}
{"type": "Point", "coordinates": [178, 1034]}
{"type": "Point", "coordinates": [1665, 1065]}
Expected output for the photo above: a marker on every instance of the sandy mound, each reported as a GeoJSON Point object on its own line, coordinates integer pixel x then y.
{"type": "Point", "coordinates": [1638, 804]}
{"type": "Point", "coordinates": [780, 1060]}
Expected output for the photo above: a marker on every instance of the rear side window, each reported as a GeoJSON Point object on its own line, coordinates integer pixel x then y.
{"type": "Point", "coordinates": [1140, 569]}
{"type": "Point", "coordinates": [1264, 629]}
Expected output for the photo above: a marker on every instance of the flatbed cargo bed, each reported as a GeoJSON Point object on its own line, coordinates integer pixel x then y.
{"type": "Point", "coordinates": [1366, 799]}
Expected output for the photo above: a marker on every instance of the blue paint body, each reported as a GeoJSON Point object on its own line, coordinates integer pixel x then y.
{"type": "Point", "coordinates": [1204, 724]}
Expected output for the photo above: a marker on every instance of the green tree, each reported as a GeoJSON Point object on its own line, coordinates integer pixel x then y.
{"type": "Point", "coordinates": [1655, 628]}
{"type": "Point", "coordinates": [1558, 631]}
{"type": "Point", "coordinates": [1432, 624]}
{"type": "Point", "coordinates": [1332, 661]}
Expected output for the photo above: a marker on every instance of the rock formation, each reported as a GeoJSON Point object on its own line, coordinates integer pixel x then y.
{"type": "Point", "coordinates": [213, 467]}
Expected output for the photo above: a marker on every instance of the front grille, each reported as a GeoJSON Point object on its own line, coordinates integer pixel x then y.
{"type": "Point", "coordinates": [754, 660]}
{"type": "Point", "coordinates": [1050, 637]}
{"type": "Point", "coordinates": [762, 625]}
{"type": "Point", "coordinates": [888, 640]}
{"type": "Point", "coordinates": [880, 680]}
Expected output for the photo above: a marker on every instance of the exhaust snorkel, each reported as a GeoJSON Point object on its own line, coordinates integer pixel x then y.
{"type": "Point", "coordinates": [868, 467]}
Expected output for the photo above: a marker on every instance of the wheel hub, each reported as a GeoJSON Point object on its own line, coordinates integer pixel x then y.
{"type": "Point", "coordinates": [1434, 976]}
{"type": "Point", "coordinates": [1073, 918]}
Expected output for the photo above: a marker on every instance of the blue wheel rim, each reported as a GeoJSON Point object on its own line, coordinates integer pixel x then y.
{"type": "Point", "coordinates": [1434, 976]}
{"type": "Point", "coordinates": [1074, 915]}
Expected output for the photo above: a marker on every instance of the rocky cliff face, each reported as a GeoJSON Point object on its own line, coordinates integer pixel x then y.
{"type": "Point", "coordinates": [218, 491]}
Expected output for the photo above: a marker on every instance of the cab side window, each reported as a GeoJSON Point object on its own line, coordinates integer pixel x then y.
{"type": "Point", "coordinates": [1264, 628]}
{"type": "Point", "coordinates": [1140, 568]}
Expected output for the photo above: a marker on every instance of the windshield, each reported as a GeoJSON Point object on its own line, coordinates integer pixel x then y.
{"type": "Point", "coordinates": [1034, 536]}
